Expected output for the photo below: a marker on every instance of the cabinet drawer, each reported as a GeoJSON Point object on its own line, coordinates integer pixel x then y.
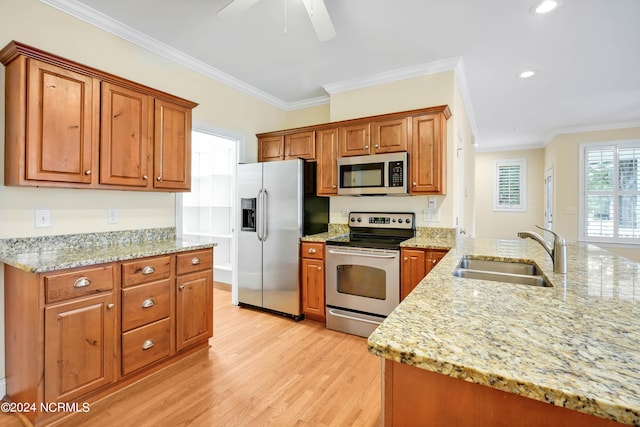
{"type": "Point", "coordinates": [312, 250]}
{"type": "Point", "coordinates": [145, 304]}
{"type": "Point", "coordinates": [63, 286]}
{"type": "Point", "coordinates": [194, 261]}
{"type": "Point", "coordinates": [146, 270]}
{"type": "Point", "coordinates": [145, 345]}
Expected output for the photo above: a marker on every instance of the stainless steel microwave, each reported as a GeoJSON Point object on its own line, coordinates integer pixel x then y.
{"type": "Point", "coordinates": [375, 174]}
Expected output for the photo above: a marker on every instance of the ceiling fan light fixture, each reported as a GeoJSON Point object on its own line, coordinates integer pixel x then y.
{"type": "Point", "coordinates": [544, 6]}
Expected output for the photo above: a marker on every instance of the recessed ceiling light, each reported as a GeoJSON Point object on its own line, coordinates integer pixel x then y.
{"type": "Point", "coordinates": [527, 74]}
{"type": "Point", "coordinates": [545, 6]}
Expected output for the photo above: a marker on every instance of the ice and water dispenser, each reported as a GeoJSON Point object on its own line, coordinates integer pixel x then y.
{"type": "Point", "coordinates": [248, 207]}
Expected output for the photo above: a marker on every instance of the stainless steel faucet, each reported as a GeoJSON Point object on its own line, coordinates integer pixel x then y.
{"type": "Point", "coordinates": [558, 252]}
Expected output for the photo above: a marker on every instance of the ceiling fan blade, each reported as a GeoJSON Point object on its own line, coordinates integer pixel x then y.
{"type": "Point", "coordinates": [320, 19]}
{"type": "Point", "coordinates": [236, 7]}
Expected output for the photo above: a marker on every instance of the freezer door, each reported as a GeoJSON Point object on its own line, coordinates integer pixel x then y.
{"type": "Point", "coordinates": [249, 246]}
{"type": "Point", "coordinates": [283, 186]}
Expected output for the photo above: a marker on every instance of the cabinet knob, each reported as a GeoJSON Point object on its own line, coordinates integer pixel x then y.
{"type": "Point", "coordinates": [366, 147]}
{"type": "Point", "coordinates": [82, 282]}
{"type": "Point", "coordinates": [312, 250]}
{"type": "Point", "coordinates": [406, 259]}
{"type": "Point", "coordinates": [333, 186]}
{"type": "Point", "coordinates": [87, 172]}
{"type": "Point", "coordinates": [376, 146]}
{"type": "Point", "coordinates": [158, 178]}
{"type": "Point", "coordinates": [181, 287]}
{"type": "Point", "coordinates": [149, 302]}
{"type": "Point", "coordinates": [195, 261]}
{"type": "Point", "coordinates": [148, 344]}
{"type": "Point", "coordinates": [415, 183]}
{"type": "Point", "coordinates": [148, 270]}
{"type": "Point", "coordinates": [145, 177]}
{"type": "Point", "coordinates": [110, 306]}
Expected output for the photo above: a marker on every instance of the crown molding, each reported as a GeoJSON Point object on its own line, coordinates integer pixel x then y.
{"type": "Point", "coordinates": [495, 149]}
{"type": "Point", "coordinates": [593, 128]}
{"type": "Point", "coordinates": [117, 28]}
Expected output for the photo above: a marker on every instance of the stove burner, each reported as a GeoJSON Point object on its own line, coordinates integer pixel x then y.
{"type": "Point", "coordinates": [377, 230]}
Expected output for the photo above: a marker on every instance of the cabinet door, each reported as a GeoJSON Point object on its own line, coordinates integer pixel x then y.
{"type": "Point", "coordinates": [300, 146]}
{"type": "Point", "coordinates": [313, 304]}
{"type": "Point", "coordinates": [62, 124]}
{"type": "Point", "coordinates": [354, 140]}
{"type": "Point", "coordinates": [125, 132]}
{"type": "Point", "coordinates": [172, 146]}
{"type": "Point", "coordinates": [413, 270]}
{"type": "Point", "coordinates": [327, 172]}
{"type": "Point", "coordinates": [194, 309]}
{"type": "Point", "coordinates": [270, 148]}
{"type": "Point", "coordinates": [389, 136]}
{"type": "Point", "coordinates": [79, 347]}
{"type": "Point", "coordinates": [433, 257]}
{"type": "Point", "coordinates": [428, 154]}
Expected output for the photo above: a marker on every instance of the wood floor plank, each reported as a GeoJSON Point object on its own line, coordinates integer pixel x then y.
{"type": "Point", "coordinates": [261, 370]}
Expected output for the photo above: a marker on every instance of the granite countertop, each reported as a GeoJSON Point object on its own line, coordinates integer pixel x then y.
{"type": "Point", "coordinates": [50, 253]}
{"type": "Point", "coordinates": [576, 344]}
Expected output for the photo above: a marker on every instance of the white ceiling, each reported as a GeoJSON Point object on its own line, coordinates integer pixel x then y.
{"type": "Point", "coordinates": [586, 54]}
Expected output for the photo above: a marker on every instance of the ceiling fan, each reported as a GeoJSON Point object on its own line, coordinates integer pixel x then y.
{"type": "Point", "coordinates": [316, 9]}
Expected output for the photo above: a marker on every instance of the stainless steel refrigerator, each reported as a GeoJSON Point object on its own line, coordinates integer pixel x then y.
{"type": "Point", "coordinates": [277, 207]}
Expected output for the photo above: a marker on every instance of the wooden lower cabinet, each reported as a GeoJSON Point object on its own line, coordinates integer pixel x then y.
{"type": "Point", "coordinates": [416, 263]}
{"type": "Point", "coordinates": [77, 334]}
{"type": "Point", "coordinates": [417, 397]}
{"type": "Point", "coordinates": [312, 279]}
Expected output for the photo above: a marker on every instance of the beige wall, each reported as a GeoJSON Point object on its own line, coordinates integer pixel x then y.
{"type": "Point", "coordinates": [418, 92]}
{"type": "Point", "coordinates": [505, 225]}
{"type": "Point", "coordinates": [222, 109]}
{"type": "Point", "coordinates": [562, 155]}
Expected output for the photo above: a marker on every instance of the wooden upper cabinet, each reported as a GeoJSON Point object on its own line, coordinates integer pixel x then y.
{"type": "Point", "coordinates": [428, 154]}
{"type": "Point", "coordinates": [354, 140]}
{"type": "Point", "coordinates": [70, 125]}
{"type": "Point", "coordinates": [300, 145]}
{"type": "Point", "coordinates": [61, 125]}
{"type": "Point", "coordinates": [126, 130]}
{"type": "Point", "coordinates": [172, 146]}
{"type": "Point", "coordinates": [270, 148]}
{"type": "Point", "coordinates": [389, 136]}
{"type": "Point", "coordinates": [327, 171]}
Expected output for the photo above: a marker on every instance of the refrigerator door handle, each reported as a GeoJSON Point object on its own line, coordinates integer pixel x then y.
{"type": "Point", "coordinates": [265, 217]}
{"type": "Point", "coordinates": [259, 214]}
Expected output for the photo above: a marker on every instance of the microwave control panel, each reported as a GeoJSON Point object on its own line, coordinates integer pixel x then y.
{"type": "Point", "coordinates": [396, 174]}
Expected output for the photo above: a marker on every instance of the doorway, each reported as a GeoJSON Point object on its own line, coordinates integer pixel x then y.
{"type": "Point", "coordinates": [206, 213]}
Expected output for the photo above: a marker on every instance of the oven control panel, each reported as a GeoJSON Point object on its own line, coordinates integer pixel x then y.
{"type": "Point", "coordinates": [382, 220]}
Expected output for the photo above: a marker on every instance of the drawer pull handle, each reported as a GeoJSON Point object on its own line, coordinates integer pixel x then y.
{"type": "Point", "coordinates": [82, 282]}
{"type": "Point", "coordinates": [312, 250]}
{"type": "Point", "coordinates": [195, 261]}
{"type": "Point", "coordinates": [148, 270]}
{"type": "Point", "coordinates": [149, 302]}
{"type": "Point", "coordinates": [148, 344]}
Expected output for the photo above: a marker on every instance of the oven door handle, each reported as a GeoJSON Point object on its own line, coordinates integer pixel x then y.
{"type": "Point", "coordinates": [333, 313]}
{"type": "Point", "coordinates": [367, 255]}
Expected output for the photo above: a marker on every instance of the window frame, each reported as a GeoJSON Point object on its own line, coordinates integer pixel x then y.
{"type": "Point", "coordinates": [522, 206]}
{"type": "Point", "coordinates": [615, 192]}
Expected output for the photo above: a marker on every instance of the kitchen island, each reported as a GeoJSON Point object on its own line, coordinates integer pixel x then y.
{"type": "Point", "coordinates": [472, 352]}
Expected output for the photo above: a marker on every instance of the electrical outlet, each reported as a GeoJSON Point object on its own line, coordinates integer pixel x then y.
{"type": "Point", "coordinates": [42, 218]}
{"type": "Point", "coordinates": [113, 216]}
{"type": "Point", "coordinates": [432, 217]}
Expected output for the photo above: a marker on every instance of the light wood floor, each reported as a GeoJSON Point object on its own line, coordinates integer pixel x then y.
{"type": "Point", "coordinates": [261, 370]}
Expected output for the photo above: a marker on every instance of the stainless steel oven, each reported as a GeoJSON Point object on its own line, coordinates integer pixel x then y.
{"type": "Point", "coordinates": [363, 271]}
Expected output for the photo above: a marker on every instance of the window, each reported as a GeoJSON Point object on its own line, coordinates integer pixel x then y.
{"type": "Point", "coordinates": [610, 179]}
{"type": "Point", "coordinates": [509, 192]}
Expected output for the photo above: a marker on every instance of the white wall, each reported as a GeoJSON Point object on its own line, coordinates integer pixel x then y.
{"type": "Point", "coordinates": [505, 225]}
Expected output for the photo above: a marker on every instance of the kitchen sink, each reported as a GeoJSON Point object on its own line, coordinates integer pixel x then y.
{"type": "Point", "coordinates": [501, 271]}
